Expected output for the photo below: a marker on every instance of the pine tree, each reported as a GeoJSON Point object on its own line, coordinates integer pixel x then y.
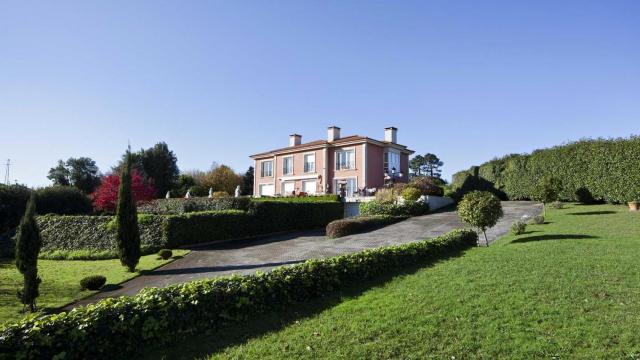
{"type": "Point", "coordinates": [28, 243]}
{"type": "Point", "coordinates": [127, 219]}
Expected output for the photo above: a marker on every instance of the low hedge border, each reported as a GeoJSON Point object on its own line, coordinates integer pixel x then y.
{"type": "Point", "coordinates": [119, 327]}
{"type": "Point", "coordinates": [359, 224]}
{"type": "Point", "coordinates": [180, 206]}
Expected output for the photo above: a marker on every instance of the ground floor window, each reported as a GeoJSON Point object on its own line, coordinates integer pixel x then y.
{"type": "Point", "coordinates": [349, 185]}
{"type": "Point", "coordinates": [309, 186]}
{"type": "Point", "coordinates": [266, 190]}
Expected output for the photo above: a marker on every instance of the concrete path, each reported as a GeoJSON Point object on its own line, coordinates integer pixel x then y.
{"type": "Point", "coordinates": [247, 256]}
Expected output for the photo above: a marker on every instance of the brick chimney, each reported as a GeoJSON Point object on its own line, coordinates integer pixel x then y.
{"type": "Point", "coordinates": [295, 139]}
{"type": "Point", "coordinates": [391, 135]}
{"type": "Point", "coordinates": [333, 133]}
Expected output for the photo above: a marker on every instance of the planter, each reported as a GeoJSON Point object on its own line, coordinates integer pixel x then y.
{"type": "Point", "coordinates": [634, 206]}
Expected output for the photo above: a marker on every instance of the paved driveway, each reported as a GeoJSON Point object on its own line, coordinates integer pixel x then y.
{"type": "Point", "coordinates": [247, 256]}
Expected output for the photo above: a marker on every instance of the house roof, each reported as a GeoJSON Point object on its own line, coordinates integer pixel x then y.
{"type": "Point", "coordinates": [357, 139]}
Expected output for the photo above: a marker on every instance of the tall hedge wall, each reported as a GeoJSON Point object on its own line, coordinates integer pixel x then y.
{"type": "Point", "coordinates": [603, 169]}
{"type": "Point", "coordinates": [122, 327]}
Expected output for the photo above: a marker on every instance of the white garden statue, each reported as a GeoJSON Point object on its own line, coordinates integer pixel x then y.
{"type": "Point", "coordinates": [210, 193]}
{"type": "Point", "coordinates": [188, 195]}
{"type": "Point", "coordinates": [168, 195]}
{"type": "Point", "coordinates": [238, 191]}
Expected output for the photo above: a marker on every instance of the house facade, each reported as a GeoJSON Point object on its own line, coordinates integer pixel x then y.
{"type": "Point", "coordinates": [338, 165]}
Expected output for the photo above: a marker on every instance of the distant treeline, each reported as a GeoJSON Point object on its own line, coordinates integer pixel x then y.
{"type": "Point", "coordinates": [591, 170]}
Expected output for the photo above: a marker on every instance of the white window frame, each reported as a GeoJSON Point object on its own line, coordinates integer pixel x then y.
{"type": "Point", "coordinates": [387, 165]}
{"type": "Point", "coordinates": [304, 163]}
{"type": "Point", "coordinates": [350, 165]}
{"type": "Point", "coordinates": [284, 163]}
{"type": "Point", "coordinates": [262, 170]}
{"type": "Point", "coordinates": [336, 189]}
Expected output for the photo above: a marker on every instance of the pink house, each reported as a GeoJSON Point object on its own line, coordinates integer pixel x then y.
{"type": "Point", "coordinates": [335, 165]}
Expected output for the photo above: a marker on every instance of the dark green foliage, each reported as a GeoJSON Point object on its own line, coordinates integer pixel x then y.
{"type": "Point", "coordinates": [204, 227]}
{"type": "Point", "coordinates": [158, 164]}
{"type": "Point", "coordinates": [389, 209]}
{"type": "Point", "coordinates": [185, 183]}
{"type": "Point", "coordinates": [93, 282]}
{"type": "Point", "coordinates": [480, 209]}
{"type": "Point", "coordinates": [247, 182]}
{"type": "Point", "coordinates": [427, 165]}
{"type": "Point", "coordinates": [63, 200]}
{"type": "Point", "coordinates": [181, 206]}
{"type": "Point", "coordinates": [81, 173]}
{"type": "Point", "coordinates": [165, 254]}
{"type": "Point", "coordinates": [13, 202]}
{"type": "Point", "coordinates": [590, 171]}
{"type": "Point", "coordinates": [28, 245]}
{"type": "Point", "coordinates": [358, 224]}
{"type": "Point", "coordinates": [128, 233]}
{"type": "Point", "coordinates": [124, 325]}
{"type": "Point", "coordinates": [276, 216]}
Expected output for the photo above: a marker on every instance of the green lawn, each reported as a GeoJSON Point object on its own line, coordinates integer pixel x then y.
{"type": "Point", "coordinates": [61, 280]}
{"type": "Point", "coordinates": [566, 289]}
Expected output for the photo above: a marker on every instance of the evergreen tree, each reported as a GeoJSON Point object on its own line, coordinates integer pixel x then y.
{"type": "Point", "coordinates": [247, 182]}
{"type": "Point", "coordinates": [28, 243]}
{"type": "Point", "coordinates": [127, 219]}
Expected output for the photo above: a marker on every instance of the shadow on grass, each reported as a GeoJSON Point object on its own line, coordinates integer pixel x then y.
{"type": "Point", "coordinates": [233, 333]}
{"type": "Point", "coordinates": [603, 212]}
{"type": "Point", "coordinates": [111, 287]}
{"type": "Point", "coordinates": [553, 237]}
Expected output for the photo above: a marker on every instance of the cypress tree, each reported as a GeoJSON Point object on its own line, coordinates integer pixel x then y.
{"type": "Point", "coordinates": [127, 219]}
{"type": "Point", "coordinates": [28, 243]}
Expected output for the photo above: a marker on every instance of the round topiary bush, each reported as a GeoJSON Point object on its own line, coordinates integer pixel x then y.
{"type": "Point", "coordinates": [538, 220]}
{"type": "Point", "coordinates": [411, 193]}
{"type": "Point", "coordinates": [518, 227]}
{"type": "Point", "coordinates": [165, 254]}
{"type": "Point", "coordinates": [94, 282]}
{"type": "Point", "coordinates": [481, 209]}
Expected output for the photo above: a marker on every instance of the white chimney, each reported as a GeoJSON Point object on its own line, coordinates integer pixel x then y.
{"type": "Point", "coordinates": [333, 133]}
{"type": "Point", "coordinates": [391, 135]}
{"type": "Point", "coordinates": [295, 139]}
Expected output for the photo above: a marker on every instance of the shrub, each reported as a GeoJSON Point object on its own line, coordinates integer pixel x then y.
{"type": "Point", "coordinates": [165, 254]}
{"type": "Point", "coordinates": [277, 216]}
{"type": "Point", "coordinates": [518, 227]}
{"type": "Point", "coordinates": [427, 186]}
{"type": "Point", "coordinates": [127, 230]}
{"type": "Point", "coordinates": [538, 219]}
{"type": "Point", "coordinates": [106, 196]}
{"type": "Point", "coordinates": [557, 205]}
{"type": "Point", "coordinates": [93, 282]}
{"type": "Point", "coordinates": [417, 208]}
{"type": "Point", "coordinates": [28, 244]}
{"type": "Point", "coordinates": [164, 314]}
{"type": "Point", "coordinates": [63, 200]}
{"type": "Point", "coordinates": [358, 224]}
{"type": "Point", "coordinates": [480, 209]}
{"type": "Point", "coordinates": [220, 194]}
{"type": "Point", "coordinates": [411, 193]}
{"type": "Point", "coordinates": [386, 196]}
{"type": "Point", "coordinates": [409, 209]}
{"type": "Point", "coordinates": [177, 206]}
{"type": "Point", "coordinates": [198, 190]}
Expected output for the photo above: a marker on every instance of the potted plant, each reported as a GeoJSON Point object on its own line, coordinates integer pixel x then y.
{"type": "Point", "coordinates": [634, 205]}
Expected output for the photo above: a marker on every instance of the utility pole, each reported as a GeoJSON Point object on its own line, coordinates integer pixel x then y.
{"type": "Point", "coordinates": [6, 174]}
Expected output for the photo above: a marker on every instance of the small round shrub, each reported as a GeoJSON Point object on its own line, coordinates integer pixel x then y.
{"type": "Point", "coordinates": [557, 205]}
{"type": "Point", "coordinates": [538, 219]}
{"type": "Point", "coordinates": [411, 193]}
{"type": "Point", "coordinates": [480, 209]}
{"type": "Point", "coordinates": [518, 227]}
{"type": "Point", "coordinates": [94, 282]}
{"type": "Point", "coordinates": [165, 254]}
{"type": "Point", "coordinates": [427, 186]}
{"type": "Point", "coordinates": [386, 196]}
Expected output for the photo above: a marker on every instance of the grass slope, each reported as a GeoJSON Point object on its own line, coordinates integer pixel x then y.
{"type": "Point", "coordinates": [566, 289]}
{"type": "Point", "coordinates": [61, 280]}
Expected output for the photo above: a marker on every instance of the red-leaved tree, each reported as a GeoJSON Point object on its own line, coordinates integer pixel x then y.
{"type": "Point", "coordinates": [105, 197]}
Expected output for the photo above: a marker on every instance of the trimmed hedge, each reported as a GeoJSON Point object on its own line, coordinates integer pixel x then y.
{"type": "Point", "coordinates": [120, 327]}
{"type": "Point", "coordinates": [180, 206]}
{"type": "Point", "coordinates": [276, 216]}
{"type": "Point", "coordinates": [590, 170]}
{"type": "Point", "coordinates": [407, 209]}
{"type": "Point", "coordinates": [358, 224]}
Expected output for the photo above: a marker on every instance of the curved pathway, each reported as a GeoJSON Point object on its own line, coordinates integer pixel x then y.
{"type": "Point", "coordinates": [247, 256]}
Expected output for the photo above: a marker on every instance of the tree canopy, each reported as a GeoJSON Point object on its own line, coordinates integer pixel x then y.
{"type": "Point", "coordinates": [82, 173]}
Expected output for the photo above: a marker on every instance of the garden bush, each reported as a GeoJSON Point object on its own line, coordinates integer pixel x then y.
{"type": "Point", "coordinates": [427, 186]}
{"type": "Point", "coordinates": [411, 193]}
{"type": "Point", "coordinates": [121, 327]}
{"type": "Point", "coordinates": [93, 282]}
{"type": "Point", "coordinates": [538, 220]}
{"type": "Point", "coordinates": [590, 171]}
{"type": "Point", "coordinates": [165, 254]}
{"type": "Point", "coordinates": [358, 224]}
{"type": "Point", "coordinates": [518, 227]}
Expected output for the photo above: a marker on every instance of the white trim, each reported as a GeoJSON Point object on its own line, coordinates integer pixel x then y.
{"type": "Point", "coordinates": [365, 158]}
{"type": "Point", "coordinates": [298, 177]}
{"type": "Point", "coordinates": [293, 171]}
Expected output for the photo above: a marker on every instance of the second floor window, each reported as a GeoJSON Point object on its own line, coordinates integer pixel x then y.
{"type": "Point", "coordinates": [310, 163]}
{"type": "Point", "coordinates": [266, 168]}
{"type": "Point", "coordinates": [391, 161]}
{"type": "Point", "coordinates": [287, 165]}
{"type": "Point", "coordinates": [345, 160]}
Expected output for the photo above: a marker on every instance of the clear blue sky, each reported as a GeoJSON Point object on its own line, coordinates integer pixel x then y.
{"type": "Point", "coordinates": [220, 80]}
